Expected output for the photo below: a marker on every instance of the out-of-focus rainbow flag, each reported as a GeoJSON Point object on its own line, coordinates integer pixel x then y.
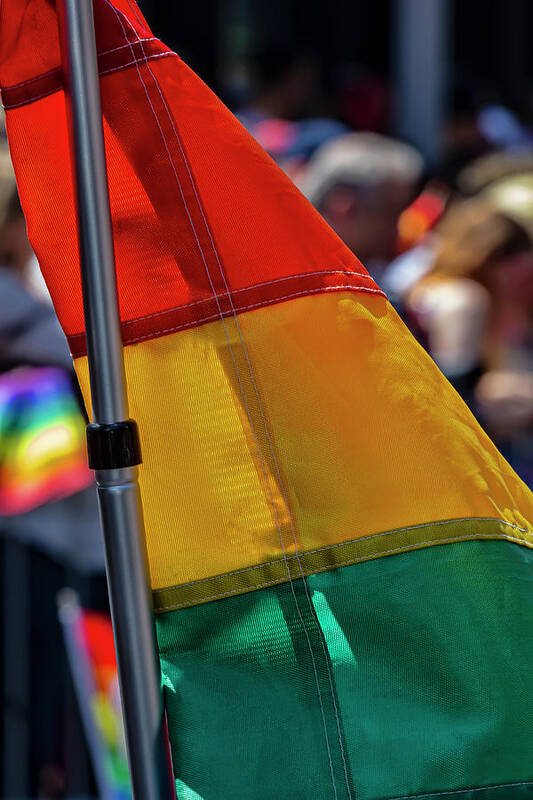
{"type": "Point", "coordinates": [42, 442]}
{"type": "Point", "coordinates": [91, 654]}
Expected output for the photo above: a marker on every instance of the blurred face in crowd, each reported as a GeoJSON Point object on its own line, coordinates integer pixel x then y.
{"type": "Point", "coordinates": [15, 248]}
{"type": "Point", "coordinates": [510, 279]}
{"type": "Point", "coordinates": [366, 219]}
{"type": "Point", "coordinates": [286, 83]}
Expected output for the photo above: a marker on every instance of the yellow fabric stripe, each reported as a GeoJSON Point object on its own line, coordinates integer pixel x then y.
{"type": "Point", "coordinates": [329, 424]}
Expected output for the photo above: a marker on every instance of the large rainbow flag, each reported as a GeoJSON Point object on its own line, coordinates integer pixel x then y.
{"type": "Point", "coordinates": [341, 561]}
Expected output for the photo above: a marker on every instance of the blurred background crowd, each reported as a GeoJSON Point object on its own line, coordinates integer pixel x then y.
{"type": "Point", "coordinates": [409, 126]}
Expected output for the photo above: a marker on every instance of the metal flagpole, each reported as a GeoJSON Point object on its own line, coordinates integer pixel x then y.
{"type": "Point", "coordinates": [112, 439]}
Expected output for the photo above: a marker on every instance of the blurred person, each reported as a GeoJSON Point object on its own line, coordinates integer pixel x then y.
{"type": "Point", "coordinates": [48, 510]}
{"type": "Point", "coordinates": [30, 337]}
{"type": "Point", "coordinates": [286, 84]}
{"type": "Point", "coordinates": [417, 242]}
{"type": "Point", "coordinates": [419, 239]}
{"type": "Point", "coordinates": [474, 311]}
{"type": "Point", "coordinates": [463, 140]}
{"type": "Point", "coordinates": [360, 183]}
{"type": "Point", "coordinates": [29, 331]}
{"type": "Point", "coordinates": [481, 172]}
{"type": "Point", "coordinates": [364, 98]}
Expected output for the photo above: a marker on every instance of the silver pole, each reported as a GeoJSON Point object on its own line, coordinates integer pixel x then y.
{"type": "Point", "coordinates": [421, 57]}
{"type": "Point", "coordinates": [112, 442]}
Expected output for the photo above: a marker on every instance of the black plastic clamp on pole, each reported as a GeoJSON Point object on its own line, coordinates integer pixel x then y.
{"type": "Point", "coordinates": [114, 446]}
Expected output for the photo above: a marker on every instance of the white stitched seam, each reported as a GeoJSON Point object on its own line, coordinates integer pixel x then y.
{"type": "Point", "coordinates": [463, 791]}
{"type": "Point", "coordinates": [250, 287]}
{"type": "Point", "coordinates": [234, 364]}
{"type": "Point", "coordinates": [58, 69]}
{"type": "Point", "coordinates": [123, 46]}
{"type": "Point", "coordinates": [137, 61]}
{"type": "Point", "coordinates": [239, 309]}
{"type": "Point", "coordinates": [267, 434]}
{"type": "Point", "coordinates": [279, 477]}
{"type": "Point", "coordinates": [348, 542]}
{"type": "Point", "coordinates": [119, 15]}
{"type": "Point", "coordinates": [403, 549]}
{"type": "Point", "coordinates": [105, 72]}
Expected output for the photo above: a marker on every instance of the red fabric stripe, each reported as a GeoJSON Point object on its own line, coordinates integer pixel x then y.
{"type": "Point", "coordinates": [126, 55]}
{"type": "Point", "coordinates": [249, 299]}
{"type": "Point", "coordinates": [199, 210]}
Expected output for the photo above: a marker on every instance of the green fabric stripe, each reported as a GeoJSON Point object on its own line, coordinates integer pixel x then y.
{"type": "Point", "coordinates": [522, 789]}
{"type": "Point", "coordinates": [362, 549]}
{"type": "Point", "coordinates": [256, 666]}
{"type": "Point", "coordinates": [430, 655]}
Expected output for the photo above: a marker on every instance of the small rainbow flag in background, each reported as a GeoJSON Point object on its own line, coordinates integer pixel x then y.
{"type": "Point", "coordinates": [42, 439]}
{"type": "Point", "coordinates": [91, 653]}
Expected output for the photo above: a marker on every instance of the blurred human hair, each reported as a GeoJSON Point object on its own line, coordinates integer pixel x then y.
{"type": "Point", "coordinates": [473, 233]}
{"type": "Point", "coordinates": [475, 305]}
{"type": "Point", "coordinates": [495, 224]}
{"type": "Point", "coordinates": [361, 183]}
{"type": "Point", "coordinates": [487, 169]}
{"type": "Point", "coordinates": [362, 161]}
{"type": "Point", "coordinates": [8, 186]}
{"type": "Point", "coordinates": [15, 250]}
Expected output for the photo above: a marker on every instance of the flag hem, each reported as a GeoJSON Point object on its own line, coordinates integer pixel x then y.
{"type": "Point", "coordinates": [365, 548]}
{"type": "Point", "coordinates": [238, 301]}
{"type": "Point", "coordinates": [138, 51]}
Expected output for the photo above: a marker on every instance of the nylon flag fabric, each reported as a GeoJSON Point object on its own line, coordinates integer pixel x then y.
{"type": "Point", "coordinates": [341, 561]}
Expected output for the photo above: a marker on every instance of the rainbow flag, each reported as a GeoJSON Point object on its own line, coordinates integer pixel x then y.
{"type": "Point", "coordinates": [341, 561]}
{"type": "Point", "coordinates": [91, 652]}
{"type": "Point", "coordinates": [42, 441]}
